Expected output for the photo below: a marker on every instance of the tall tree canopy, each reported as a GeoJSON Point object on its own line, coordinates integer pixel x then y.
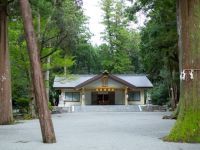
{"type": "Point", "coordinates": [158, 47]}
{"type": "Point", "coordinates": [61, 30]}
{"type": "Point", "coordinates": [120, 40]}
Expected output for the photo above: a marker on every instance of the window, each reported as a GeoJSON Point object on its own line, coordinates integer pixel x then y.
{"type": "Point", "coordinates": [72, 96]}
{"type": "Point", "coordinates": [134, 96]}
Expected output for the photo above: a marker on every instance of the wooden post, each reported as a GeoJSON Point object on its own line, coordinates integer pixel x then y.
{"type": "Point", "coordinates": [83, 97]}
{"type": "Point", "coordinates": [38, 81]}
{"type": "Point", "coordinates": [125, 96]}
{"type": "Point", "coordinates": [5, 79]}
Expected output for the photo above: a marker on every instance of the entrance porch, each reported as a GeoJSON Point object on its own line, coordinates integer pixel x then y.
{"type": "Point", "coordinates": [103, 98]}
{"type": "Point", "coordinates": [92, 97]}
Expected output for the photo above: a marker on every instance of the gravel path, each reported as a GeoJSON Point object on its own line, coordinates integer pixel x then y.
{"type": "Point", "coordinates": [95, 131]}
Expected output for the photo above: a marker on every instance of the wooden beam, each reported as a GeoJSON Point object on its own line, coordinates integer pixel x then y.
{"type": "Point", "coordinates": [126, 96]}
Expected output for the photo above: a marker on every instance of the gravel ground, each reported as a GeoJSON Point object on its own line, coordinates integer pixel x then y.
{"type": "Point", "coordinates": [95, 131]}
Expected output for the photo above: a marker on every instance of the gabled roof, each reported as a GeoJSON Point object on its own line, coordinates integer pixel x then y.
{"type": "Point", "coordinates": [78, 81]}
{"type": "Point", "coordinates": [71, 81]}
{"type": "Point", "coordinates": [97, 77]}
{"type": "Point", "coordinates": [137, 80]}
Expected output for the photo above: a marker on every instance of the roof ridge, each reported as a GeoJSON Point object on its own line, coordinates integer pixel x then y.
{"type": "Point", "coordinates": [130, 74]}
{"type": "Point", "coordinates": [99, 74]}
{"type": "Point", "coordinates": [76, 75]}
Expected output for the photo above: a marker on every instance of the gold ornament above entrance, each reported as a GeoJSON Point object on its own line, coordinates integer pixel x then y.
{"type": "Point", "coordinates": [105, 89]}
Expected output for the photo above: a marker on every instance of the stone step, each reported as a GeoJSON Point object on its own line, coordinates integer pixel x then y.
{"type": "Point", "coordinates": [107, 108]}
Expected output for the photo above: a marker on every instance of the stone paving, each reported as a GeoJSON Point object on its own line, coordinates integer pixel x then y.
{"type": "Point", "coordinates": [107, 108]}
{"type": "Point", "coordinates": [95, 131]}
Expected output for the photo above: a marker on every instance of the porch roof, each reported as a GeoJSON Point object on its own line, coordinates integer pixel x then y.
{"type": "Point", "coordinates": [77, 81]}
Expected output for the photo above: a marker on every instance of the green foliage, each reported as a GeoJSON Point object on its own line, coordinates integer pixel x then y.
{"type": "Point", "coordinates": [120, 41]}
{"type": "Point", "coordinates": [50, 106]}
{"type": "Point", "coordinates": [159, 45]}
{"type": "Point", "coordinates": [159, 94]}
{"type": "Point", "coordinates": [27, 117]}
{"type": "Point", "coordinates": [22, 104]}
{"type": "Point", "coordinates": [19, 61]}
{"type": "Point", "coordinates": [59, 27]}
{"type": "Point", "coordinates": [87, 59]}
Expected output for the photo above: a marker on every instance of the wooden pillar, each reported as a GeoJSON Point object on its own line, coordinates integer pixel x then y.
{"type": "Point", "coordinates": [83, 97]}
{"type": "Point", "coordinates": [61, 99]}
{"type": "Point", "coordinates": [126, 96]}
{"type": "Point", "coordinates": [142, 97]}
{"type": "Point", "coordinates": [37, 76]}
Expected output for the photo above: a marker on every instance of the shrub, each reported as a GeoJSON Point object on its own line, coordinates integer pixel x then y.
{"type": "Point", "coordinates": [159, 94]}
{"type": "Point", "coordinates": [23, 105]}
{"type": "Point", "coordinates": [50, 106]}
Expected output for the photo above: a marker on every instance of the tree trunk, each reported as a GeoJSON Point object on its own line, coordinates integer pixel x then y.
{"type": "Point", "coordinates": [5, 79]}
{"type": "Point", "coordinates": [187, 127]}
{"type": "Point", "coordinates": [47, 73]}
{"type": "Point", "coordinates": [37, 77]}
{"type": "Point", "coordinates": [32, 103]}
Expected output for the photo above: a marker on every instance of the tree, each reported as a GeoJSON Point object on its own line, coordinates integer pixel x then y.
{"type": "Point", "coordinates": [20, 67]}
{"type": "Point", "coordinates": [5, 79]}
{"type": "Point", "coordinates": [38, 82]}
{"type": "Point", "coordinates": [87, 58]}
{"type": "Point", "coordinates": [118, 47]}
{"type": "Point", "coordinates": [187, 127]}
{"type": "Point", "coordinates": [159, 43]}
{"type": "Point", "coordinates": [61, 32]}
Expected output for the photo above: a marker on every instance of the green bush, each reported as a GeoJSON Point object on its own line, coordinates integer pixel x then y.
{"type": "Point", "coordinates": [50, 106]}
{"type": "Point", "coordinates": [23, 105]}
{"type": "Point", "coordinates": [27, 117]}
{"type": "Point", "coordinates": [159, 94]}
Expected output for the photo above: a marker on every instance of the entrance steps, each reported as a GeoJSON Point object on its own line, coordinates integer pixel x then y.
{"type": "Point", "coordinates": [106, 108]}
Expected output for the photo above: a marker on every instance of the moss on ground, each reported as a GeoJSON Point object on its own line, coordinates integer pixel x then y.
{"type": "Point", "coordinates": [186, 129]}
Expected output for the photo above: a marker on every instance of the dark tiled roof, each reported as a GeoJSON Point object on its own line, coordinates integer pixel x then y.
{"type": "Point", "coordinates": [139, 81]}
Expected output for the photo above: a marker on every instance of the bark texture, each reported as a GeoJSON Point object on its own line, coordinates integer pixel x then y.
{"type": "Point", "coordinates": [187, 127]}
{"type": "Point", "coordinates": [5, 79]}
{"type": "Point", "coordinates": [37, 77]}
{"type": "Point", "coordinates": [32, 103]}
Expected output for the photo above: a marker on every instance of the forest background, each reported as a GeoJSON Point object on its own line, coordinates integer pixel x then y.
{"type": "Point", "coordinates": [65, 46]}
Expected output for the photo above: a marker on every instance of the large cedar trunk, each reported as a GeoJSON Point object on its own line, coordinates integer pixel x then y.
{"type": "Point", "coordinates": [5, 79]}
{"type": "Point", "coordinates": [187, 127]}
{"type": "Point", "coordinates": [37, 77]}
